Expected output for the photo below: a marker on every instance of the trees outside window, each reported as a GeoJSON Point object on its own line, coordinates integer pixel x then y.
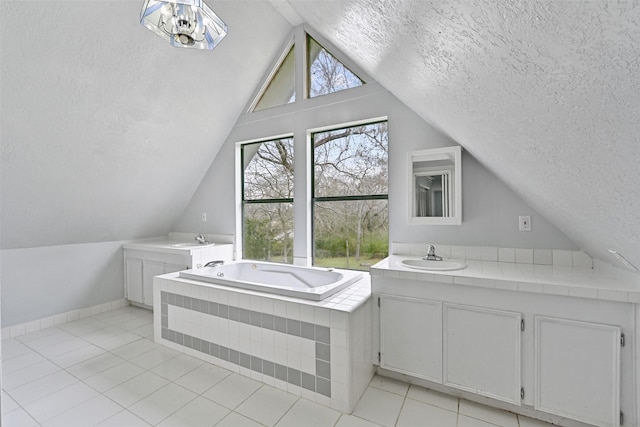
{"type": "Point", "coordinates": [349, 209]}
{"type": "Point", "coordinates": [350, 196]}
{"type": "Point", "coordinates": [267, 200]}
{"type": "Point", "coordinates": [325, 73]}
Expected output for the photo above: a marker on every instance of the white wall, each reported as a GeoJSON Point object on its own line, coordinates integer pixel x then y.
{"type": "Point", "coordinates": [106, 138]}
{"type": "Point", "coordinates": [44, 281]}
{"type": "Point", "coordinates": [490, 208]}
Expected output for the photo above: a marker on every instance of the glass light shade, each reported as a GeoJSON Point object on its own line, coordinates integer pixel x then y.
{"type": "Point", "coordinates": [184, 23]}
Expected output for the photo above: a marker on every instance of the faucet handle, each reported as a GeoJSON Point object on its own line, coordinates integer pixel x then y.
{"type": "Point", "coordinates": [431, 254]}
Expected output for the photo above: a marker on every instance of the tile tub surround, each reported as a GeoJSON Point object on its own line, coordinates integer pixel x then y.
{"type": "Point", "coordinates": [314, 350]}
{"type": "Point", "coordinates": [318, 336]}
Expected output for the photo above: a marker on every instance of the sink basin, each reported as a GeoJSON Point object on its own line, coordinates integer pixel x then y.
{"type": "Point", "coordinates": [444, 265]}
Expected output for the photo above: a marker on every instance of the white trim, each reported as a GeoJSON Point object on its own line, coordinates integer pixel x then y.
{"type": "Point", "coordinates": [301, 83]}
{"type": "Point", "coordinates": [300, 106]}
{"type": "Point", "coordinates": [271, 72]}
{"type": "Point", "coordinates": [297, 39]}
{"type": "Point", "coordinates": [560, 408]}
{"type": "Point", "coordinates": [239, 170]}
{"type": "Point", "coordinates": [337, 53]}
{"type": "Point", "coordinates": [446, 152]}
{"type": "Point", "coordinates": [636, 358]}
{"type": "Point", "coordinates": [238, 192]}
{"type": "Point", "coordinates": [515, 318]}
{"type": "Point", "coordinates": [61, 318]}
{"type": "Point", "coordinates": [348, 124]}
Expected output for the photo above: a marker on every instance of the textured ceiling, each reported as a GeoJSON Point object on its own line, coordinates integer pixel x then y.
{"type": "Point", "coordinates": [546, 94]}
{"type": "Point", "coordinates": [106, 129]}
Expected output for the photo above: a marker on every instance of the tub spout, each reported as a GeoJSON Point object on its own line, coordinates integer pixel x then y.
{"type": "Point", "coordinates": [214, 263]}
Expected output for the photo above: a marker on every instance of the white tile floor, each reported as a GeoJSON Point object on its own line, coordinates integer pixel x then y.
{"type": "Point", "coordinates": [106, 370]}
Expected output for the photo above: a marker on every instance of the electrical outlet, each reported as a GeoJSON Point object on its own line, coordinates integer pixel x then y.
{"type": "Point", "coordinates": [204, 217]}
{"type": "Point", "coordinates": [524, 222]}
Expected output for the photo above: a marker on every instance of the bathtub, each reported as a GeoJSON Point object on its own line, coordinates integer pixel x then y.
{"type": "Point", "coordinates": [310, 283]}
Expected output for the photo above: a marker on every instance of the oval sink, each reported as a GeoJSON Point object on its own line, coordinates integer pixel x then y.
{"type": "Point", "coordinates": [428, 264]}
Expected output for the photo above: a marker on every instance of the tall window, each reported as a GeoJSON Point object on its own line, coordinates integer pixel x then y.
{"type": "Point", "coordinates": [267, 200]}
{"type": "Point", "coordinates": [350, 196]}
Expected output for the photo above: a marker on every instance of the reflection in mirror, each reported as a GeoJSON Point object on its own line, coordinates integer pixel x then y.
{"type": "Point", "coordinates": [435, 177]}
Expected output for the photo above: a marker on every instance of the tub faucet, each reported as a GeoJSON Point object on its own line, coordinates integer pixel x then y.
{"type": "Point", "coordinates": [215, 263]}
{"type": "Point", "coordinates": [431, 254]}
{"type": "Point", "coordinates": [201, 239]}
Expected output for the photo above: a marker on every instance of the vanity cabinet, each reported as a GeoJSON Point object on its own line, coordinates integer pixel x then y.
{"type": "Point", "coordinates": [141, 264]}
{"type": "Point", "coordinates": [469, 348]}
{"type": "Point", "coordinates": [580, 357]}
{"type": "Point", "coordinates": [481, 351]}
{"type": "Point", "coordinates": [554, 356]}
{"type": "Point", "coordinates": [411, 336]}
{"type": "Point", "coordinates": [140, 268]}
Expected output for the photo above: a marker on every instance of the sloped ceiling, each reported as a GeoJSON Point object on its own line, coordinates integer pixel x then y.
{"type": "Point", "coordinates": [106, 130]}
{"type": "Point", "coordinates": [546, 94]}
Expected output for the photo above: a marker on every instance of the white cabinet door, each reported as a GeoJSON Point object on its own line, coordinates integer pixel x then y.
{"type": "Point", "coordinates": [482, 351]}
{"type": "Point", "coordinates": [150, 269]}
{"type": "Point", "coordinates": [411, 336]}
{"type": "Point", "coordinates": [577, 370]}
{"type": "Point", "coordinates": [133, 279]}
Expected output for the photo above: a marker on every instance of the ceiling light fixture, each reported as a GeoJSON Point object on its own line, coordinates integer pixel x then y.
{"type": "Point", "coordinates": [184, 23]}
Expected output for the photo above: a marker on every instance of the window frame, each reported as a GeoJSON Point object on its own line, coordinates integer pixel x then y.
{"type": "Point", "coordinates": [312, 186]}
{"type": "Point", "coordinates": [240, 146]}
{"type": "Point", "coordinates": [308, 65]}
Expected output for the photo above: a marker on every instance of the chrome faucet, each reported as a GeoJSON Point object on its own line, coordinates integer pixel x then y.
{"type": "Point", "coordinates": [431, 254]}
{"type": "Point", "coordinates": [215, 263]}
{"type": "Point", "coordinates": [201, 239]}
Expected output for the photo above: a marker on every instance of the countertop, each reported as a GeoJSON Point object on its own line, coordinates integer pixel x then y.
{"type": "Point", "coordinates": [601, 282]}
{"type": "Point", "coordinates": [169, 246]}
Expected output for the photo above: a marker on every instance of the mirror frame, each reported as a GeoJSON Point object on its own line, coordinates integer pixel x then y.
{"type": "Point", "coordinates": [434, 154]}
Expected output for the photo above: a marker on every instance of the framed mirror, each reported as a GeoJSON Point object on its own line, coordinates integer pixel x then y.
{"type": "Point", "coordinates": [435, 182]}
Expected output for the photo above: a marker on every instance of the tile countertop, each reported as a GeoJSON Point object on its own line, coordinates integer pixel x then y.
{"type": "Point", "coordinates": [347, 300]}
{"type": "Point", "coordinates": [602, 282]}
{"type": "Point", "coordinates": [168, 246]}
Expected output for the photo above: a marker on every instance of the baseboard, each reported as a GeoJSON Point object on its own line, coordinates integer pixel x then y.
{"type": "Point", "coordinates": [58, 319]}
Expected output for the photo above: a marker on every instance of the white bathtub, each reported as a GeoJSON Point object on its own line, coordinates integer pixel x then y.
{"type": "Point", "coordinates": [293, 281]}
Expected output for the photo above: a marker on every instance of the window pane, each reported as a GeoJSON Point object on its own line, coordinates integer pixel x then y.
{"type": "Point", "coordinates": [350, 234]}
{"type": "Point", "coordinates": [282, 87]}
{"type": "Point", "coordinates": [268, 170]}
{"type": "Point", "coordinates": [326, 73]}
{"type": "Point", "coordinates": [268, 232]}
{"type": "Point", "coordinates": [351, 161]}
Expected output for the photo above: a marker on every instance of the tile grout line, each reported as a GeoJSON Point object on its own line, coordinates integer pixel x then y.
{"type": "Point", "coordinates": [120, 329]}
{"type": "Point", "coordinates": [320, 335]}
{"type": "Point", "coordinates": [65, 369]}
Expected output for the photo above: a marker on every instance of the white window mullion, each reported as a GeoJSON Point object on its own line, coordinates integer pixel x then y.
{"type": "Point", "coordinates": [300, 43]}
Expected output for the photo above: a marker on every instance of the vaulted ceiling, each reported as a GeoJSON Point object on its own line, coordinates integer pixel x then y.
{"type": "Point", "coordinates": [106, 129]}
{"type": "Point", "coordinates": [544, 93]}
{"type": "Point", "coordinates": [102, 123]}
